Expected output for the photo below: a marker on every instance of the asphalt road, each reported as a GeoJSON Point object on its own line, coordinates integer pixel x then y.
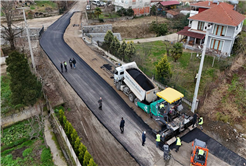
{"type": "Point", "coordinates": [90, 87]}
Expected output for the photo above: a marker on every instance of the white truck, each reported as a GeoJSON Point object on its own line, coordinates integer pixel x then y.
{"type": "Point", "coordinates": [134, 83]}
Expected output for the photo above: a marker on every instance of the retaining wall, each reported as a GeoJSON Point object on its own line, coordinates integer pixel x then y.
{"type": "Point", "coordinates": [100, 36]}
{"type": "Point", "coordinates": [97, 28]}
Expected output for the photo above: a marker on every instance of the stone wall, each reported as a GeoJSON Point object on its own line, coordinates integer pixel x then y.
{"type": "Point", "coordinates": [100, 36]}
{"type": "Point", "coordinates": [97, 28]}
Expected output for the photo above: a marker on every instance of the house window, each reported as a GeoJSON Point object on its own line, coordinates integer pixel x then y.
{"type": "Point", "coordinates": [200, 26]}
{"type": "Point", "coordinates": [216, 44]}
{"type": "Point", "coordinates": [219, 30]}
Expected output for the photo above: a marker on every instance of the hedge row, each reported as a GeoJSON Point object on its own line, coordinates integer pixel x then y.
{"type": "Point", "coordinates": [80, 149]}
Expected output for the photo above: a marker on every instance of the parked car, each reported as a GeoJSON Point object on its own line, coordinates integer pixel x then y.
{"type": "Point", "coordinates": [103, 4]}
{"type": "Point", "coordinates": [88, 7]}
{"type": "Point", "coordinates": [95, 2]}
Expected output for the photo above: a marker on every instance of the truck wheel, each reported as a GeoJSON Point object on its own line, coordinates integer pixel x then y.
{"type": "Point", "coordinates": [136, 101]}
{"type": "Point", "coordinates": [131, 97]}
{"type": "Point", "coordinates": [118, 84]}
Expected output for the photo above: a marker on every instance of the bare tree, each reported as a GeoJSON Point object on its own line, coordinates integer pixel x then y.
{"type": "Point", "coordinates": [9, 33]}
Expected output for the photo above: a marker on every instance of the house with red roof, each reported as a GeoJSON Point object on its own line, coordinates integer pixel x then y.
{"type": "Point", "coordinates": [225, 23]}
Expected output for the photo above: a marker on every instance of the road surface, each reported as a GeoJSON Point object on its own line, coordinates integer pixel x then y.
{"type": "Point", "coordinates": [90, 86]}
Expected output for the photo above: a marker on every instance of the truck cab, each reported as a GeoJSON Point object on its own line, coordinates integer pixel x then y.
{"type": "Point", "coordinates": [118, 74]}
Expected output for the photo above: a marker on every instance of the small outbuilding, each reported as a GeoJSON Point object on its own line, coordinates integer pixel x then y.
{"type": "Point", "coordinates": [172, 13]}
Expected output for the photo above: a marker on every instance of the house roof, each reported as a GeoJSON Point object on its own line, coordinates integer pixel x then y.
{"type": "Point", "coordinates": [222, 14]}
{"type": "Point", "coordinates": [172, 12]}
{"type": "Point", "coordinates": [168, 3]}
{"type": "Point", "coordinates": [205, 4]}
{"type": "Point", "coordinates": [185, 32]}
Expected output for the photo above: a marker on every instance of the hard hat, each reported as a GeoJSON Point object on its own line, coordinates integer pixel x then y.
{"type": "Point", "coordinates": [144, 132]}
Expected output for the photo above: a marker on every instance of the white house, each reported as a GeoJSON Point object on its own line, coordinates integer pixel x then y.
{"type": "Point", "coordinates": [226, 24]}
{"type": "Point", "coordinates": [140, 7]}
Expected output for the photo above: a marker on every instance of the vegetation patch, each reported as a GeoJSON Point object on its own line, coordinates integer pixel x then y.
{"type": "Point", "coordinates": [184, 70]}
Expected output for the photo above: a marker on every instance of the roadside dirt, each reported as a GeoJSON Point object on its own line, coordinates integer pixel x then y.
{"type": "Point", "coordinates": [217, 100]}
{"type": "Point", "coordinates": [135, 28]}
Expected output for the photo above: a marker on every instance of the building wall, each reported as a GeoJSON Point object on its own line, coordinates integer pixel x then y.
{"type": "Point", "coordinates": [230, 31]}
{"type": "Point", "coordinates": [194, 24]}
{"type": "Point", "coordinates": [226, 47]}
{"type": "Point", "coordinates": [140, 7]}
{"type": "Point", "coordinates": [97, 28]}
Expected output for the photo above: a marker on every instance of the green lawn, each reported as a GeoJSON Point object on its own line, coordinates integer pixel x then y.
{"type": "Point", "coordinates": [6, 106]}
{"type": "Point", "coordinates": [46, 4]}
{"type": "Point", "coordinates": [184, 70]}
{"type": "Point", "coordinates": [244, 23]}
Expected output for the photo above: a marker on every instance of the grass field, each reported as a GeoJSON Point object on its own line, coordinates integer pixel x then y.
{"type": "Point", "coordinates": [113, 15]}
{"type": "Point", "coordinates": [184, 70]}
{"type": "Point", "coordinates": [244, 23]}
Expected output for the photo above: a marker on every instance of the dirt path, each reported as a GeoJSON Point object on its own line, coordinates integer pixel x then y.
{"type": "Point", "coordinates": [56, 153]}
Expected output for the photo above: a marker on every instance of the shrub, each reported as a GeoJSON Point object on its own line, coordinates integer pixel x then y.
{"type": "Point", "coordinates": [27, 152]}
{"type": "Point", "coordinates": [45, 155]}
{"type": "Point", "coordinates": [87, 158]}
{"type": "Point", "coordinates": [101, 20]}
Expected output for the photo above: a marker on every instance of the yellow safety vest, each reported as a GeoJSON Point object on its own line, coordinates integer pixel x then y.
{"type": "Point", "coordinates": [162, 105]}
{"type": "Point", "coordinates": [178, 141]}
{"type": "Point", "coordinates": [201, 122]}
{"type": "Point", "coordinates": [158, 138]}
{"type": "Point", "coordinates": [201, 152]}
{"type": "Point", "coordinates": [65, 63]}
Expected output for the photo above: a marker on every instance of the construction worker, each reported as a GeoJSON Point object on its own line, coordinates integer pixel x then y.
{"type": "Point", "coordinates": [178, 144]}
{"type": "Point", "coordinates": [61, 67]}
{"type": "Point", "coordinates": [162, 106]}
{"type": "Point", "coordinates": [158, 139]}
{"type": "Point", "coordinates": [122, 124]}
{"type": "Point", "coordinates": [100, 103]}
{"type": "Point", "coordinates": [194, 119]}
{"type": "Point", "coordinates": [143, 138]}
{"type": "Point", "coordinates": [200, 122]}
{"type": "Point", "coordinates": [65, 66]}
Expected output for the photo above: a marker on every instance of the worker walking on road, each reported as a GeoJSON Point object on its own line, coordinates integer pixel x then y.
{"type": "Point", "coordinates": [74, 62]}
{"type": "Point", "coordinates": [194, 119]}
{"type": "Point", "coordinates": [158, 139]}
{"type": "Point", "coordinates": [71, 63]}
{"type": "Point", "coordinates": [143, 138]}
{"type": "Point", "coordinates": [122, 124]}
{"type": "Point", "coordinates": [200, 122]}
{"type": "Point", "coordinates": [65, 66]}
{"type": "Point", "coordinates": [100, 103]}
{"type": "Point", "coordinates": [178, 144]}
{"type": "Point", "coordinates": [61, 67]}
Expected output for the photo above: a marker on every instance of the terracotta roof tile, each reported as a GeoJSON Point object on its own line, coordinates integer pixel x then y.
{"type": "Point", "coordinates": [172, 12]}
{"type": "Point", "coordinates": [168, 3]}
{"type": "Point", "coordinates": [222, 14]}
{"type": "Point", "coordinates": [204, 4]}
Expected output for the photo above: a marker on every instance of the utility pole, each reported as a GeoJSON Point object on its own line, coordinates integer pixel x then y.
{"type": "Point", "coordinates": [200, 71]}
{"type": "Point", "coordinates": [29, 41]}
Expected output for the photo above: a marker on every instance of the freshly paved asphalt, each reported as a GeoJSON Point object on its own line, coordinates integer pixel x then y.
{"type": "Point", "coordinates": [90, 86]}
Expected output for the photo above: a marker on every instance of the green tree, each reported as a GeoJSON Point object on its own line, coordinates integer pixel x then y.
{"type": "Point", "coordinates": [121, 50]}
{"type": "Point", "coordinates": [76, 145]}
{"type": "Point", "coordinates": [177, 51]}
{"type": "Point", "coordinates": [122, 12]}
{"type": "Point", "coordinates": [98, 12]}
{"type": "Point", "coordinates": [163, 70]}
{"type": "Point", "coordinates": [109, 37]}
{"type": "Point", "coordinates": [74, 135]}
{"type": "Point", "coordinates": [64, 121]}
{"type": "Point", "coordinates": [130, 12]}
{"type": "Point", "coordinates": [69, 130]}
{"type": "Point", "coordinates": [153, 10]}
{"type": "Point", "coordinates": [159, 29]}
{"type": "Point", "coordinates": [87, 158]}
{"type": "Point", "coordinates": [25, 87]}
{"type": "Point", "coordinates": [114, 47]}
{"type": "Point", "coordinates": [82, 150]}
{"type": "Point", "coordinates": [92, 163]}
{"type": "Point", "coordinates": [61, 113]}
{"type": "Point", "coordinates": [130, 51]}
{"type": "Point", "coordinates": [180, 22]}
